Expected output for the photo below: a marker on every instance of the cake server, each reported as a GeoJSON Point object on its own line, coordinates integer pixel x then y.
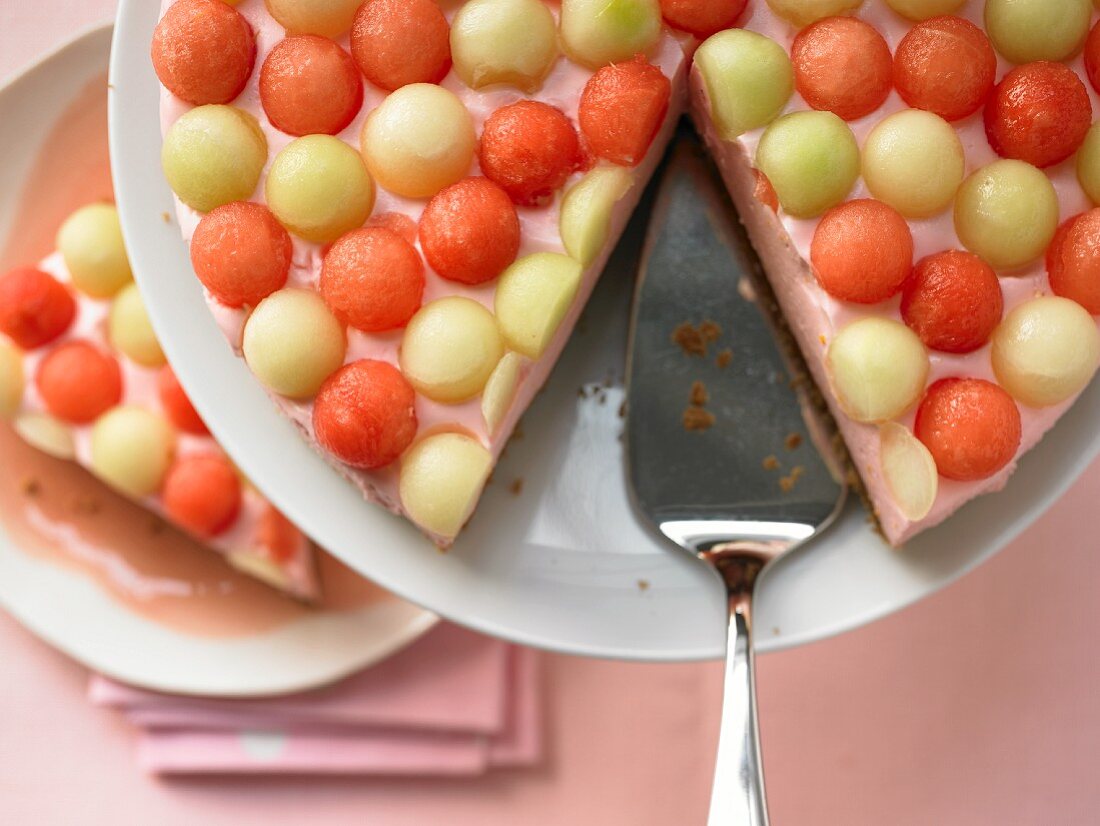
{"type": "Point", "coordinates": [728, 456]}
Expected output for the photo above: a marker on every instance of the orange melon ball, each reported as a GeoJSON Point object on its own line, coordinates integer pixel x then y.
{"type": "Point", "coordinates": [241, 253]}
{"type": "Point", "coordinates": [763, 191]}
{"type": "Point", "coordinates": [203, 51]}
{"type": "Point", "coordinates": [176, 405]}
{"type": "Point", "coordinates": [398, 42]}
{"type": "Point", "coordinates": [35, 308]}
{"type": "Point", "coordinates": [970, 426]}
{"type": "Point", "coordinates": [842, 65]}
{"type": "Point", "coordinates": [77, 382]}
{"type": "Point", "coordinates": [529, 149]}
{"type": "Point", "coordinates": [373, 279]}
{"type": "Point", "coordinates": [1073, 260]}
{"type": "Point", "coordinates": [202, 493]}
{"type": "Point", "coordinates": [622, 108]}
{"type": "Point", "coordinates": [953, 301]}
{"type": "Point", "coordinates": [277, 535]}
{"type": "Point", "coordinates": [702, 18]}
{"type": "Point", "coordinates": [945, 65]}
{"type": "Point", "coordinates": [365, 414]}
{"type": "Point", "coordinates": [470, 231]}
{"type": "Point", "coordinates": [395, 222]}
{"type": "Point", "coordinates": [309, 85]}
{"type": "Point", "coordinates": [862, 251]}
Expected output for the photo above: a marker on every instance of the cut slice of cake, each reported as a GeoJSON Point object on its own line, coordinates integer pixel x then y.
{"type": "Point", "coordinates": [919, 178]}
{"type": "Point", "coordinates": [83, 378]}
{"type": "Point", "coordinates": [398, 208]}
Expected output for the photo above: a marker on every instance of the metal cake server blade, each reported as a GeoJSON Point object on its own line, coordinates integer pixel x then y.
{"type": "Point", "coordinates": [702, 458]}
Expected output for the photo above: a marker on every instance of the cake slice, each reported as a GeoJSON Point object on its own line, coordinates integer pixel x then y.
{"type": "Point", "coordinates": [919, 178]}
{"type": "Point", "coordinates": [83, 378]}
{"type": "Point", "coordinates": [398, 208]}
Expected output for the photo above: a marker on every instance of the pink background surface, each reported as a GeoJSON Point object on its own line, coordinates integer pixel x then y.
{"type": "Point", "coordinates": [979, 705]}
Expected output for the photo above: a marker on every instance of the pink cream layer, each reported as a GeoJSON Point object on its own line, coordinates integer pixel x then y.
{"type": "Point", "coordinates": [815, 317]}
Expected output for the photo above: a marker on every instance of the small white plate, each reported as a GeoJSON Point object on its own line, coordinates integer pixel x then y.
{"type": "Point", "coordinates": [67, 608]}
{"type": "Point", "coordinates": [565, 565]}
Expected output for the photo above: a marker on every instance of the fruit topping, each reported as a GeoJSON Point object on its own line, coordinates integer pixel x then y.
{"type": "Point", "coordinates": [514, 42]}
{"type": "Point", "coordinates": [132, 450]}
{"type": "Point", "coordinates": [913, 160]}
{"type": "Point", "coordinates": [364, 414]}
{"type": "Point", "coordinates": [398, 42]}
{"type": "Point", "coordinates": [293, 342]}
{"type": "Point", "coordinates": [924, 9]}
{"type": "Point", "coordinates": [442, 476]}
{"type": "Point", "coordinates": [953, 301]}
{"type": "Point", "coordinates": [1007, 212]}
{"type": "Point", "coordinates": [1046, 350]}
{"type": "Point", "coordinates": [748, 79]}
{"type": "Point", "coordinates": [622, 108]}
{"type": "Point", "coordinates": [1027, 30]}
{"type": "Point", "coordinates": [202, 493]}
{"type": "Point", "coordinates": [805, 12]}
{"type": "Point", "coordinates": [945, 65]}
{"type": "Point", "coordinates": [450, 348]}
{"type": "Point", "coordinates": [862, 251]}
{"type": "Point", "coordinates": [372, 279]}
{"type": "Point", "coordinates": [91, 244]}
{"type": "Point", "coordinates": [529, 149]}
{"type": "Point", "coordinates": [587, 209]}
{"type": "Point", "coordinates": [319, 188]}
{"type": "Point", "coordinates": [842, 65]}
{"type": "Point", "coordinates": [241, 253]}
{"type": "Point", "coordinates": [203, 51]}
{"type": "Point", "coordinates": [702, 18]}
{"type": "Point", "coordinates": [812, 160]}
{"type": "Point", "coordinates": [309, 85]}
{"type": "Point", "coordinates": [419, 140]}
{"type": "Point", "coordinates": [500, 390]}
{"type": "Point", "coordinates": [77, 382]}
{"type": "Point", "coordinates": [213, 155]}
{"type": "Point", "coordinates": [1039, 113]}
{"type": "Point", "coordinates": [532, 298]}
{"type": "Point", "coordinates": [177, 407]}
{"type": "Point", "coordinates": [909, 471]}
{"type": "Point", "coordinates": [35, 308]}
{"type": "Point", "coordinates": [470, 231]}
{"type": "Point", "coordinates": [328, 18]}
{"type": "Point", "coordinates": [1073, 261]}
{"type": "Point", "coordinates": [130, 331]}
{"type": "Point", "coordinates": [970, 426]}
{"type": "Point", "coordinates": [599, 32]}
{"type": "Point", "coordinates": [877, 368]}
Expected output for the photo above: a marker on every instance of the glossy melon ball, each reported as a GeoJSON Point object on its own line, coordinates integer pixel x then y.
{"type": "Point", "coordinates": [862, 251]}
{"type": "Point", "coordinates": [327, 18]}
{"type": "Point", "coordinates": [500, 390]}
{"type": "Point", "coordinates": [319, 188]}
{"type": "Point", "coordinates": [877, 368]}
{"type": "Point", "coordinates": [450, 349]}
{"type": "Point", "coordinates": [587, 210]}
{"type": "Point", "coordinates": [373, 279]}
{"type": "Point", "coordinates": [812, 160]}
{"type": "Point", "coordinates": [748, 79]}
{"type": "Point", "coordinates": [77, 381]}
{"type": "Point", "coordinates": [176, 405]}
{"type": "Point", "coordinates": [597, 33]}
{"type": "Point", "coordinates": [945, 65]}
{"type": "Point", "coordinates": [924, 9]}
{"type": "Point", "coordinates": [1007, 212]}
{"type": "Point", "coordinates": [203, 51]}
{"type": "Point", "coordinates": [913, 160]}
{"type": "Point", "coordinates": [419, 140]}
{"type": "Point", "coordinates": [470, 231]}
{"type": "Point", "coordinates": [365, 414]}
{"type": "Point", "coordinates": [1046, 350]}
{"type": "Point", "coordinates": [513, 42]}
{"type": "Point", "coordinates": [12, 379]}
{"type": "Point", "coordinates": [35, 308]}
{"type": "Point", "coordinates": [622, 109]}
{"type": "Point", "coordinates": [309, 85]}
{"type": "Point", "coordinates": [132, 450]}
{"type": "Point", "coordinates": [213, 155]}
{"type": "Point", "coordinates": [1088, 164]}
{"type": "Point", "coordinates": [529, 149]}
{"type": "Point", "coordinates": [241, 253]}
{"type": "Point", "coordinates": [702, 18]}
{"type": "Point", "coordinates": [953, 301]}
{"type": "Point", "coordinates": [399, 42]}
{"type": "Point", "coordinates": [131, 332]}
{"type": "Point", "coordinates": [1027, 30]}
{"type": "Point", "coordinates": [533, 298]}
{"type": "Point", "coordinates": [91, 243]}
{"type": "Point", "coordinates": [442, 477]}
{"type": "Point", "coordinates": [202, 494]}
{"type": "Point", "coordinates": [909, 470]}
{"type": "Point", "coordinates": [842, 65]}
{"type": "Point", "coordinates": [805, 12]}
{"type": "Point", "coordinates": [970, 426]}
{"type": "Point", "coordinates": [1073, 261]}
{"type": "Point", "coordinates": [292, 342]}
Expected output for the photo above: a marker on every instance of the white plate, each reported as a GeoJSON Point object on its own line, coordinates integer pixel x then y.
{"type": "Point", "coordinates": [558, 566]}
{"type": "Point", "coordinates": [67, 608]}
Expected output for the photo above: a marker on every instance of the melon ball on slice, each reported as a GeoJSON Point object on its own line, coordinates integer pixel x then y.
{"type": "Point", "coordinates": [292, 342]}
{"type": "Point", "coordinates": [909, 470]}
{"type": "Point", "coordinates": [877, 368]}
{"type": "Point", "coordinates": [328, 18]}
{"type": "Point", "coordinates": [131, 332]}
{"type": "Point", "coordinates": [78, 381]}
{"type": "Point", "coordinates": [500, 390]}
{"type": "Point", "coordinates": [1073, 261]}
{"type": "Point", "coordinates": [970, 426]}
{"type": "Point", "coordinates": [622, 109]}
{"type": "Point", "coordinates": [241, 253]}
{"type": "Point", "coordinates": [91, 244]}
{"type": "Point", "coordinates": [319, 188]}
{"type": "Point", "coordinates": [132, 449]}
{"type": "Point", "coordinates": [805, 12]}
{"type": "Point", "coordinates": [924, 9]}
{"type": "Point", "coordinates": [202, 493]}
{"type": "Point", "coordinates": [203, 51]}
{"type": "Point", "coordinates": [945, 65]}
{"type": "Point", "coordinates": [584, 219]}
{"type": "Point", "coordinates": [532, 299]}
{"type": "Point", "coordinates": [599, 32]}
{"type": "Point", "coordinates": [812, 160]}
{"type": "Point", "coordinates": [176, 405]}
{"type": "Point", "coordinates": [442, 476]}
{"type": "Point", "coordinates": [373, 279]}
{"type": "Point", "coordinates": [213, 155]}
{"type": "Point", "coordinates": [702, 18]}
{"type": "Point", "coordinates": [1046, 351]}
{"type": "Point", "coordinates": [450, 348]}
{"type": "Point", "coordinates": [309, 85]}
{"type": "Point", "coordinates": [953, 301]}
{"type": "Point", "coordinates": [748, 79]}
{"type": "Point", "coordinates": [419, 140]}
{"type": "Point", "coordinates": [470, 231]}
{"type": "Point", "coordinates": [529, 149]}
{"type": "Point", "coordinates": [1088, 164]}
{"type": "Point", "coordinates": [398, 42]}
{"type": "Point", "coordinates": [513, 42]}
{"type": "Point", "coordinates": [842, 65]}
{"type": "Point", "coordinates": [1027, 30]}
{"type": "Point", "coordinates": [35, 308]}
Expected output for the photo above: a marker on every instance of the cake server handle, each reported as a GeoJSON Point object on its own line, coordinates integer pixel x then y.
{"type": "Point", "coordinates": [738, 795]}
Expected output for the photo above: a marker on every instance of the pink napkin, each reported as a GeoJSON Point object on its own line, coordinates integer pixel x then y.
{"type": "Point", "coordinates": [453, 703]}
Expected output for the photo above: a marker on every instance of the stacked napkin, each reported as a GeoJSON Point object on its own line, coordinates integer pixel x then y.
{"type": "Point", "coordinates": [453, 703]}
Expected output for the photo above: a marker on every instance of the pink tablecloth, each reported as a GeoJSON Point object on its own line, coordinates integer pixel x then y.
{"type": "Point", "coordinates": [978, 706]}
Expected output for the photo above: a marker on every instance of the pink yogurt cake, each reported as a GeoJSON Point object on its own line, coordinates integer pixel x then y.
{"type": "Point", "coordinates": [920, 179]}
{"type": "Point", "coordinates": [83, 378]}
{"type": "Point", "coordinates": [398, 208]}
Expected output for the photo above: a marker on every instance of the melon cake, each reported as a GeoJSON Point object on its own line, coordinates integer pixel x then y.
{"type": "Point", "coordinates": [83, 378]}
{"type": "Point", "coordinates": [398, 208]}
{"type": "Point", "coordinates": [920, 178]}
